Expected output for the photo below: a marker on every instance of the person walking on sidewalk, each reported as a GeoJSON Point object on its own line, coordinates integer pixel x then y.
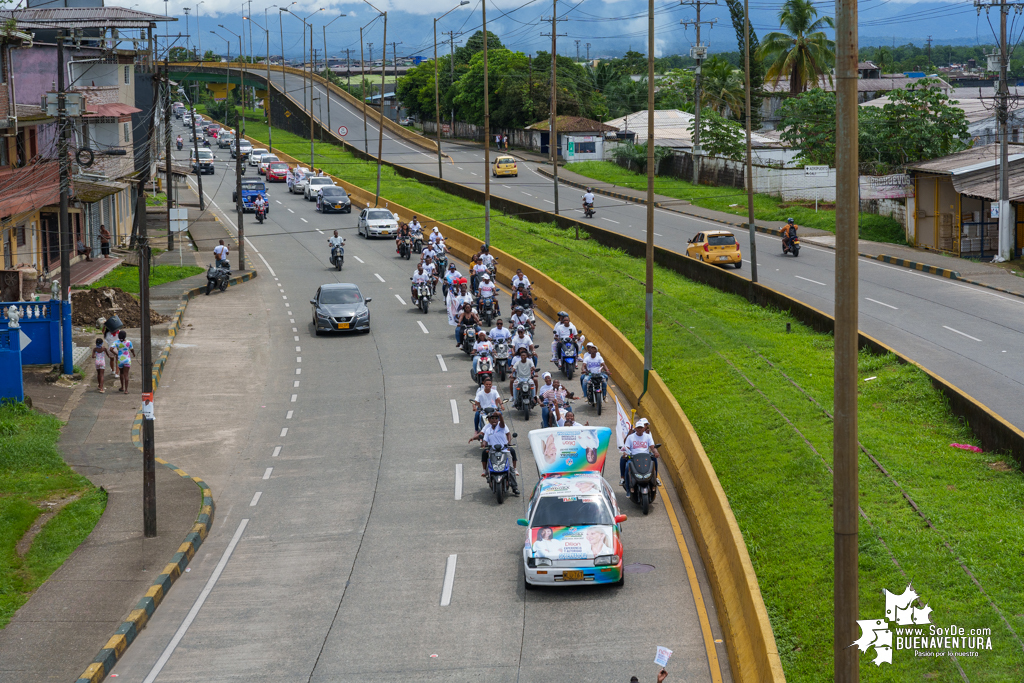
{"type": "Point", "coordinates": [124, 350]}
{"type": "Point", "coordinates": [220, 253]}
{"type": "Point", "coordinates": [100, 355]}
{"type": "Point", "coordinates": [104, 241]}
{"type": "Point", "coordinates": [110, 328]}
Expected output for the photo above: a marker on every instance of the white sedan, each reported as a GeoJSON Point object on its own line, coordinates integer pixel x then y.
{"type": "Point", "coordinates": [254, 156]}
{"type": "Point", "coordinates": [377, 222]}
{"type": "Point", "coordinates": [313, 185]}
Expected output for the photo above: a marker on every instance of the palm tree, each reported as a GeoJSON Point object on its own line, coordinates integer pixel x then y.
{"type": "Point", "coordinates": [803, 53]}
{"type": "Point", "coordinates": [723, 87]}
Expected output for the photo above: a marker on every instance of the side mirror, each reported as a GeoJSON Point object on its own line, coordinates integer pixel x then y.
{"type": "Point", "coordinates": [369, 299]}
{"type": "Point", "coordinates": [313, 301]}
{"type": "Point", "coordinates": [523, 522]}
{"type": "Point", "coordinates": [619, 519]}
{"type": "Point", "coordinates": [515, 435]}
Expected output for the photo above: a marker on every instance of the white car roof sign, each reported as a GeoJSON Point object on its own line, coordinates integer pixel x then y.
{"type": "Point", "coordinates": [568, 450]}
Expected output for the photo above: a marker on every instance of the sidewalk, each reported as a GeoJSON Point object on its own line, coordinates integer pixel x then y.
{"type": "Point", "coordinates": [88, 272]}
{"type": "Point", "coordinates": [974, 272]}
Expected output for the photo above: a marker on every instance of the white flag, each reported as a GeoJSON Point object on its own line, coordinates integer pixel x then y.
{"type": "Point", "coordinates": [452, 306]}
{"type": "Point", "coordinates": [623, 426]}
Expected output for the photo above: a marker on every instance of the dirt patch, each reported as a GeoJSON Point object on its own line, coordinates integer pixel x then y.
{"type": "Point", "coordinates": [88, 306]}
{"type": "Point", "coordinates": [50, 509]}
{"type": "Point", "coordinates": [1000, 466]}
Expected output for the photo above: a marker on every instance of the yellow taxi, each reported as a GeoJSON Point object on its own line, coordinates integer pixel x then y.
{"type": "Point", "coordinates": [505, 165]}
{"type": "Point", "coordinates": [718, 247]}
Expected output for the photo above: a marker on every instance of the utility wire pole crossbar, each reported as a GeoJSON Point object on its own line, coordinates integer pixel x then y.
{"type": "Point", "coordinates": [698, 52]}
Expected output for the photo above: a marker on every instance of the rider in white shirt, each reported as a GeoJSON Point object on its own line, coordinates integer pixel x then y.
{"type": "Point", "coordinates": [483, 345]}
{"type": "Point", "coordinates": [495, 433]}
{"type": "Point", "coordinates": [428, 265]}
{"type": "Point", "coordinates": [435, 235]}
{"type": "Point", "coordinates": [523, 367]}
{"type": "Point", "coordinates": [487, 396]}
{"type": "Point", "coordinates": [522, 340]}
{"type": "Point", "coordinates": [520, 279]}
{"type": "Point", "coordinates": [588, 198]}
{"type": "Point", "coordinates": [452, 275]}
{"type": "Point", "coordinates": [260, 203]}
{"type": "Point", "coordinates": [419, 277]}
{"type": "Point", "coordinates": [488, 289]}
{"type": "Point", "coordinates": [638, 441]}
{"type": "Point", "coordinates": [563, 330]}
{"type": "Point", "coordinates": [593, 363]}
{"type": "Point", "coordinates": [477, 272]}
{"type": "Point", "coordinates": [335, 241]}
{"type": "Point", "coordinates": [500, 332]}
{"type": "Point", "coordinates": [519, 318]}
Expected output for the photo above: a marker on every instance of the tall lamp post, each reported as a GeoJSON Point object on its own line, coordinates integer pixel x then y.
{"type": "Point", "coordinates": [362, 85]}
{"type": "Point", "coordinates": [238, 160]}
{"type": "Point", "coordinates": [306, 25]}
{"type": "Point", "coordinates": [199, 32]}
{"type": "Point", "coordinates": [326, 77]}
{"type": "Point", "coordinates": [241, 77]}
{"type": "Point", "coordinates": [266, 110]}
{"type": "Point", "coordinates": [280, 28]}
{"type": "Point", "coordinates": [437, 96]}
{"type": "Point", "coordinates": [380, 120]}
{"type": "Point", "coordinates": [186, 10]}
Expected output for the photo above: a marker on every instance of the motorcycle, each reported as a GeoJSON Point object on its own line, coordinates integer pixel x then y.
{"type": "Point", "coordinates": [484, 369]}
{"type": "Point", "coordinates": [338, 256]}
{"type": "Point", "coordinates": [417, 241]}
{"type": "Point", "coordinates": [468, 334]}
{"type": "Point", "coordinates": [791, 245]}
{"type": "Point", "coordinates": [441, 261]}
{"type": "Point", "coordinates": [501, 358]}
{"type": "Point", "coordinates": [180, 145]}
{"type": "Point", "coordinates": [568, 355]}
{"type": "Point", "coordinates": [588, 209]}
{"type": "Point", "coordinates": [261, 213]}
{"type": "Point", "coordinates": [217, 276]}
{"type": "Point", "coordinates": [423, 295]}
{"type": "Point", "coordinates": [433, 283]}
{"type": "Point", "coordinates": [640, 473]}
{"type": "Point", "coordinates": [524, 397]}
{"type": "Point", "coordinates": [499, 471]}
{"type": "Point", "coordinates": [533, 318]}
{"type": "Point", "coordinates": [405, 248]}
{"type": "Point", "coordinates": [486, 308]}
{"type": "Point", "coordinates": [595, 393]}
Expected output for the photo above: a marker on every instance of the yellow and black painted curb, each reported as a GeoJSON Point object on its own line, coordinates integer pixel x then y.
{"type": "Point", "coordinates": [923, 267]}
{"type": "Point", "coordinates": [114, 649]}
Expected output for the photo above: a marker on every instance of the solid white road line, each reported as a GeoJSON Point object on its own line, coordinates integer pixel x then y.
{"type": "Point", "coordinates": [289, 415]}
{"type": "Point", "coordinates": [962, 333]}
{"type": "Point", "coordinates": [449, 581]}
{"type": "Point", "coordinates": [444, 368]}
{"type": "Point", "coordinates": [266, 475]}
{"type": "Point", "coordinates": [255, 498]}
{"type": "Point", "coordinates": [458, 481]}
{"type": "Point", "coordinates": [358, 259]}
{"type": "Point", "coordinates": [264, 261]}
{"type": "Point", "coordinates": [284, 432]}
{"type": "Point", "coordinates": [401, 300]}
{"type": "Point", "coordinates": [810, 280]}
{"type": "Point", "coordinates": [198, 605]}
{"type": "Point", "coordinates": [277, 452]}
{"type": "Point", "coordinates": [610, 220]}
{"type": "Point", "coordinates": [377, 275]}
{"type": "Point", "coordinates": [455, 412]}
{"type": "Point", "coordinates": [880, 303]}
{"type": "Point", "coordinates": [423, 327]}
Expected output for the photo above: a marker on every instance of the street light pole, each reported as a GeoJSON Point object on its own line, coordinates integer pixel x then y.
{"type": "Point", "coordinates": [437, 96]}
{"type": "Point", "coordinates": [199, 32]}
{"type": "Point", "coordinates": [487, 137]}
{"type": "Point", "coordinates": [326, 77]}
{"type": "Point", "coordinates": [649, 278]}
{"type": "Point", "coordinates": [280, 27]}
{"type": "Point", "coordinates": [380, 120]}
{"type": "Point", "coordinates": [266, 110]}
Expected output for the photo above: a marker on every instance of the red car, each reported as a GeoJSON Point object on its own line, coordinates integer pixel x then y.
{"type": "Point", "coordinates": [277, 171]}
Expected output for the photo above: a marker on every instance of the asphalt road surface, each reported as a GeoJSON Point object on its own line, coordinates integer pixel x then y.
{"type": "Point", "coordinates": [345, 487]}
{"type": "Point", "coordinates": [970, 335]}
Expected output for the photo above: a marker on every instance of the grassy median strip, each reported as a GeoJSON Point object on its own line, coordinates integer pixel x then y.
{"type": "Point", "coordinates": [734, 200]}
{"type": "Point", "coordinates": [758, 397]}
{"type": "Point", "coordinates": [127, 277]}
{"type": "Point", "coordinates": [32, 474]}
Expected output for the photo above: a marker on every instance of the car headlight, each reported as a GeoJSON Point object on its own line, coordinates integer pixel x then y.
{"type": "Point", "coordinates": [542, 561]}
{"type": "Point", "coordinates": [602, 560]}
{"type": "Point", "coordinates": [321, 314]}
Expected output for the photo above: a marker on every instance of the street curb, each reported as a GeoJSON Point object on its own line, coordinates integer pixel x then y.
{"type": "Point", "coordinates": [934, 270]}
{"type": "Point", "coordinates": [140, 615]}
{"type": "Point", "coordinates": [161, 361]}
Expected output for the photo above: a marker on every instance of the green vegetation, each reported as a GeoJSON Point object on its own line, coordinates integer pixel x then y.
{"type": "Point", "coordinates": [733, 200]}
{"type": "Point", "coordinates": [31, 473]}
{"type": "Point", "coordinates": [757, 397]}
{"type": "Point", "coordinates": [127, 277]}
{"type": "Point", "coordinates": [158, 199]}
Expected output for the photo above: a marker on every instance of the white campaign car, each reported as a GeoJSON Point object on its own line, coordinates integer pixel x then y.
{"type": "Point", "coordinates": [313, 185]}
{"type": "Point", "coordinates": [377, 222]}
{"type": "Point", "coordinates": [297, 179]}
{"type": "Point", "coordinates": [254, 156]}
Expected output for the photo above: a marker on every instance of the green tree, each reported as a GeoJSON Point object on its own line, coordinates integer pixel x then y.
{"type": "Point", "coordinates": [181, 54]}
{"type": "Point", "coordinates": [475, 44]}
{"type": "Point", "coordinates": [723, 87]}
{"type": "Point", "coordinates": [211, 56]}
{"type": "Point", "coordinates": [756, 65]}
{"type": "Point", "coordinates": [676, 90]}
{"type": "Point", "coordinates": [721, 137]}
{"type": "Point", "coordinates": [507, 73]}
{"type": "Point", "coordinates": [803, 54]}
{"type": "Point", "coordinates": [632, 63]}
{"type": "Point", "coordinates": [635, 156]}
{"type": "Point", "coordinates": [626, 96]}
{"type": "Point", "coordinates": [415, 90]}
{"type": "Point", "coordinates": [808, 123]}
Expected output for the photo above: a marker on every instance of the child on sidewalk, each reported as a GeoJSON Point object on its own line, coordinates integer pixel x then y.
{"type": "Point", "coordinates": [100, 355]}
{"type": "Point", "coordinates": [124, 350]}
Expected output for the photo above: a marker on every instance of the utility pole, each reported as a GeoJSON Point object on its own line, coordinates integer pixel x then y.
{"type": "Point", "coordinates": [698, 52]}
{"type": "Point", "coordinates": [750, 169]}
{"type": "Point", "coordinates": [312, 57]}
{"type": "Point", "coordinates": [451, 61]}
{"type": "Point", "coordinates": [844, 429]}
{"type": "Point", "coordinates": [370, 47]}
{"type": "Point", "coordinates": [380, 121]}
{"type": "Point", "coordinates": [553, 125]}
{"type": "Point", "coordinates": [239, 207]}
{"type": "Point", "coordinates": [362, 89]}
{"type": "Point", "coordinates": [195, 152]}
{"type": "Point", "coordinates": [437, 96]}
{"type": "Point", "coordinates": [588, 53]}
{"type": "Point", "coordinates": [929, 48]}
{"type": "Point", "coordinates": [394, 58]}
{"type": "Point", "coordinates": [577, 51]}
{"type": "Point", "coordinates": [66, 238]}
{"type": "Point", "coordinates": [487, 137]}
{"type": "Point", "coordinates": [649, 276]}
{"type": "Point", "coordinates": [348, 68]}
{"type": "Point", "coordinates": [167, 154]}
{"type": "Point", "coordinates": [186, 10]}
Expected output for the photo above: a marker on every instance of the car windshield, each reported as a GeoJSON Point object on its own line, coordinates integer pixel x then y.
{"type": "Point", "coordinates": [506, 160]}
{"type": "Point", "coordinates": [571, 511]}
{"type": "Point", "coordinates": [267, 158]}
{"type": "Point", "coordinates": [259, 152]}
{"type": "Point", "coordinates": [334, 190]}
{"type": "Point", "coordinates": [205, 155]}
{"type": "Point", "coordinates": [721, 240]}
{"type": "Point", "coordinates": [245, 143]}
{"type": "Point", "coordinates": [340, 296]}
{"type": "Point", "coordinates": [321, 181]}
{"type": "Point", "coordinates": [379, 216]}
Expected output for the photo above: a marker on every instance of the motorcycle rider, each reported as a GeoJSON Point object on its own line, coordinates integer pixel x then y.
{"type": "Point", "coordinates": [523, 368]}
{"type": "Point", "coordinates": [588, 200]}
{"type": "Point", "coordinates": [260, 204]}
{"type": "Point", "coordinates": [788, 233]}
{"type": "Point", "coordinates": [495, 433]}
{"type": "Point", "coordinates": [487, 396]}
{"type": "Point", "coordinates": [638, 441]}
{"type": "Point", "coordinates": [488, 289]}
{"type": "Point", "coordinates": [403, 232]}
{"type": "Point", "coordinates": [520, 319]}
{"type": "Point", "coordinates": [482, 346]}
{"type": "Point", "coordinates": [419, 277]}
{"type": "Point", "coordinates": [500, 333]}
{"type": "Point", "coordinates": [521, 297]}
{"type": "Point", "coordinates": [452, 275]}
{"type": "Point", "coordinates": [467, 316]}
{"type": "Point", "coordinates": [335, 241]}
{"type": "Point", "coordinates": [476, 272]}
{"type": "Point", "coordinates": [593, 363]}
{"type": "Point", "coordinates": [562, 331]}
{"type": "Point", "coordinates": [557, 398]}
{"type": "Point", "coordinates": [520, 279]}
{"type": "Point", "coordinates": [523, 341]}
{"type": "Point", "coordinates": [179, 142]}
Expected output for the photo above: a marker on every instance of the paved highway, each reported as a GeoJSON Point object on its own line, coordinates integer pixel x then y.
{"type": "Point", "coordinates": [345, 487]}
{"type": "Point", "coordinates": [970, 335]}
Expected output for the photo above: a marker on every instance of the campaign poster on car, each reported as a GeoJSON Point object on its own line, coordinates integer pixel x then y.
{"type": "Point", "coordinates": [564, 450]}
{"type": "Point", "coordinates": [572, 542]}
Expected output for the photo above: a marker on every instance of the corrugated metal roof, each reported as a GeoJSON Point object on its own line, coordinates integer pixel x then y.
{"type": "Point", "coordinates": [574, 124]}
{"type": "Point", "coordinates": [83, 17]}
{"type": "Point", "coordinates": [975, 172]}
{"type": "Point", "coordinates": [113, 109]}
{"type": "Point", "coordinates": [91, 191]}
{"type": "Point", "coordinates": [951, 163]}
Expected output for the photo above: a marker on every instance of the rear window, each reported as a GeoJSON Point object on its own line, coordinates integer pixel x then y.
{"type": "Point", "coordinates": [571, 511]}
{"type": "Point", "coordinates": [379, 215]}
{"type": "Point", "coordinates": [334, 190]}
{"type": "Point", "coordinates": [506, 160]}
{"type": "Point", "coordinates": [267, 158]}
{"type": "Point", "coordinates": [721, 240]}
{"type": "Point", "coordinates": [282, 165]}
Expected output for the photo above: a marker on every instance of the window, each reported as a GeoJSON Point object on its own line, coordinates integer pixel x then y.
{"type": "Point", "coordinates": [586, 148]}
{"type": "Point", "coordinates": [127, 132]}
{"type": "Point", "coordinates": [21, 235]}
{"type": "Point", "coordinates": [127, 75]}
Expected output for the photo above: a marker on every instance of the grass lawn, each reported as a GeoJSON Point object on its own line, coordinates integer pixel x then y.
{"type": "Point", "coordinates": [127, 277]}
{"type": "Point", "coordinates": [872, 226]}
{"type": "Point", "coordinates": [757, 397]}
{"type": "Point", "coordinates": [32, 472]}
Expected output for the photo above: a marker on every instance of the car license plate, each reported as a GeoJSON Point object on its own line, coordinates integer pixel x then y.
{"type": "Point", "coordinates": [723, 258]}
{"type": "Point", "coordinates": [342, 326]}
{"type": "Point", "coordinates": [337, 206]}
{"type": "Point", "coordinates": [384, 232]}
{"type": "Point", "coordinates": [572, 576]}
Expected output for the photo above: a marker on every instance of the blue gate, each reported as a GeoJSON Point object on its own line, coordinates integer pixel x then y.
{"type": "Point", "coordinates": [40, 320]}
